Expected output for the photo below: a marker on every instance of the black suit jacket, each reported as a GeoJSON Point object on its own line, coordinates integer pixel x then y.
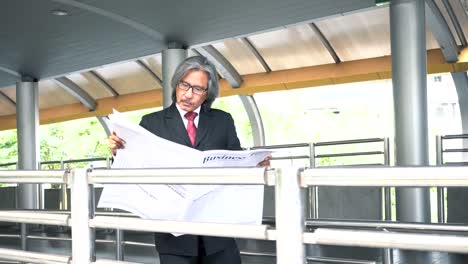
{"type": "Point", "coordinates": [215, 130]}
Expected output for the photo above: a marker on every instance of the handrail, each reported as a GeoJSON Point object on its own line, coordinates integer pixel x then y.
{"type": "Point", "coordinates": [106, 261]}
{"type": "Point", "coordinates": [35, 218]}
{"type": "Point", "coordinates": [459, 136]}
{"type": "Point", "coordinates": [297, 145]}
{"type": "Point", "coordinates": [208, 229]}
{"type": "Point", "coordinates": [289, 233]}
{"type": "Point", "coordinates": [73, 160]}
{"type": "Point", "coordinates": [33, 176]}
{"type": "Point", "coordinates": [314, 259]}
{"type": "Point", "coordinates": [379, 225]}
{"type": "Point", "coordinates": [381, 239]}
{"type": "Point", "coordinates": [252, 175]}
{"type": "Point", "coordinates": [351, 141]}
{"type": "Point", "coordinates": [30, 257]}
{"type": "Point", "coordinates": [387, 176]}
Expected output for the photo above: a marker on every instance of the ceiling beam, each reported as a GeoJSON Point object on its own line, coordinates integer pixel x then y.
{"type": "Point", "coordinates": [256, 53]}
{"type": "Point", "coordinates": [77, 92]}
{"type": "Point", "coordinates": [224, 66]}
{"type": "Point", "coordinates": [344, 72]}
{"type": "Point", "coordinates": [7, 99]}
{"type": "Point", "coordinates": [325, 42]}
{"type": "Point", "coordinates": [441, 31]}
{"type": "Point", "coordinates": [151, 72]}
{"type": "Point", "coordinates": [104, 124]}
{"type": "Point", "coordinates": [460, 79]}
{"type": "Point", "coordinates": [255, 118]}
{"type": "Point", "coordinates": [154, 34]}
{"type": "Point", "coordinates": [455, 22]}
{"type": "Point", "coordinates": [104, 83]}
{"type": "Point", "coordinates": [9, 71]}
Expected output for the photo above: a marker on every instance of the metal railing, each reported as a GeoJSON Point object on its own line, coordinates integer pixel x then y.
{"type": "Point", "coordinates": [33, 217]}
{"type": "Point", "coordinates": [311, 155]}
{"type": "Point", "coordinates": [441, 160]}
{"type": "Point", "coordinates": [290, 231]}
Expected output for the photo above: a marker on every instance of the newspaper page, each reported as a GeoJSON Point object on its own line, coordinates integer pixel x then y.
{"type": "Point", "coordinates": [195, 203]}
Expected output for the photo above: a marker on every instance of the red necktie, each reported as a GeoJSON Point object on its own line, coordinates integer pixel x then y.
{"type": "Point", "coordinates": [191, 128]}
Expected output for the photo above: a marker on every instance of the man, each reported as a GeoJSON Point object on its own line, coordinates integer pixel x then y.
{"type": "Point", "coordinates": [190, 121]}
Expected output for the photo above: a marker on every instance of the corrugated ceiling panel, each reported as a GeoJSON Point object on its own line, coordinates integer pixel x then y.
{"type": "Point", "coordinates": [363, 35]}
{"type": "Point", "coordinates": [10, 91]}
{"type": "Point", "coordinates": [155, 64]}
{"type": "Point", "coordinates": [290, 48]}
{"type": "Point", "coordinates": [88, 83]}
{"type": "Point", "coordinates": [5, 107]}
{"type": "Point", "coordinates": [236, 52]}
{"type": "Point", "coordinates": [128, 77]}
{"type": "Point", "coordinates": [51, 95]}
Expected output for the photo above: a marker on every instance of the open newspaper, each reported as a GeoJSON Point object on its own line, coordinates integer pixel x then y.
{"type": "Point", "coordinates": [236, 204]}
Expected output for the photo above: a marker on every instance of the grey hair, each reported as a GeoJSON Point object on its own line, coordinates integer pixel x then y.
{"type": "Point", "coordinates": [197, 63]}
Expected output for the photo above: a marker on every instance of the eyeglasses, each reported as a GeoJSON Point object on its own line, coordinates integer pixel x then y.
{"type": "Point", "coordinates": [185, 86]}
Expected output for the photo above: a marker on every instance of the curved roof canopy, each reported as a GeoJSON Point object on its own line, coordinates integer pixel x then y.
{"type": "Point", "coordinates": [92, 55]}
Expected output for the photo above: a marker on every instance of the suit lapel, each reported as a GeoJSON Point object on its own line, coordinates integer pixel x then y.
{"type": "Point", "coordinates": [203, 125]}
{"type": "Point", "coordinates": [176, 125]}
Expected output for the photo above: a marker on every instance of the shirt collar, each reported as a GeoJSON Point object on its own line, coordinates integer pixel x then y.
{"type": "Point", "coordinates": [183, 112]}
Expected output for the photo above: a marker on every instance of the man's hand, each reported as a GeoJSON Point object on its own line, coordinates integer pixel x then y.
{"type": "Point", "coordinates": [265, 162]}
{"type": "Point", "coordinates": [115, 143]}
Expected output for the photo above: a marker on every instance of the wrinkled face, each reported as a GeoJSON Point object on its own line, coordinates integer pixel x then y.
{"type": "Point", "coordinates": [187, 99]}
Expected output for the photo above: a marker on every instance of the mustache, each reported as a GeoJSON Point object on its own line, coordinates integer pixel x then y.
{"type": "Point", "coordinates": [189, 102]}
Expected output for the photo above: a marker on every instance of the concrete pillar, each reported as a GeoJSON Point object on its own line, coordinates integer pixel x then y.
{"type": "Point", "coordinates": [409, 69]}
{"type": "Point", "coordinates": [171, 58]}
{"type": "Point", "coordinates": [27, 120]}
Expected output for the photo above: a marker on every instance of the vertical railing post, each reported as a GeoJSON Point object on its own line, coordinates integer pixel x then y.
{"type": "Point", "coordinates": [63, 191]}
{"type": "Point", "coordinates": [81, 212]}
{"type": "Point", "coordinates": [119, 250]}
{"type": "Point", "coordinates": [387, 190]}
{"type": "Point", "coordinates": [387, 252]}
{"type": "Point", "coordinates": [440, 190]}
{"type": "Point", "coordinates": [290, 248]}
{"type": "Point", "coordinates": [312, 190]}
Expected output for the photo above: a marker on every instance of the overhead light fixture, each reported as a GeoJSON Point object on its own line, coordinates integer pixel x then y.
{"type": "Point", "coordinates": [59, 12]}
{"type": "Point", "coordinates": [382, 2]}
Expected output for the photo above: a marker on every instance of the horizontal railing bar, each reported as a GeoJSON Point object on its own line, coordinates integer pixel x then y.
{"type": "Point", "coordinates": [349, 154]}
{"type": "Point", "coordinates": [252, 175]}
{"type": "Point", "coordinates": [459, 163]}
{"type": "Point", "coordinates": [414, 227]}
{"type": "Point", "coordinates": [209, 229]}
{"type": "Point", "coordinates": [30, 257]}
{"type": "Point", "coordinates": [140, 244]}
{"type": "Point", "coordinates": [455, 150]}
{"type": "Point", "coordinates": [32, 176]}
{"type": "Point", "coordinates": [9, 236]}
{"type": "Point", "coordinates": [297, 145]}
{"type": "Point", "coordinates": [360, 165]}
{"type": "Point", "coordinates": [48, 238]}
{"type": "Point", "coordinates": [71, 161]}
{"type": "Point", "coordinates": [8, 164]}
{"type": "Point", "coordinates": [353, 141]}
{"type": "Point", "coordinates": [455, 136]}
{"type": "Point", "coordinates": [291, 157]}
{"type": "Point", "coordinates": [380, 239]}
{"type": "Point", "coordinates": [387, 176]}
{"type": "Point", "coordinates": [315, 259]}
{"type": "Point", "coordinates": [34, 218]}
{"type": "Point", "coordinates": [340, 261]}
{"type": "Point", "coordinates": [106, 261]}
